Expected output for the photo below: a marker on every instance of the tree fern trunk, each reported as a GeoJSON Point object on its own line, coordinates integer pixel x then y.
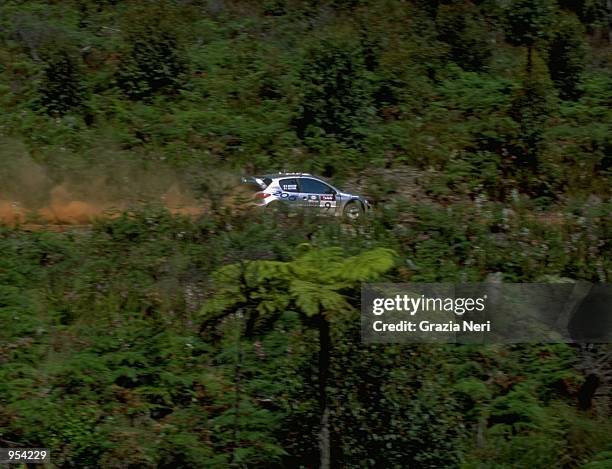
{"type": "Point", "coordinates": [324, 360]}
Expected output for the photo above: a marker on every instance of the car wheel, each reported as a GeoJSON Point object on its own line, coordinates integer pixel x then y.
{"type": "Point", "coordinates": [353, 211]}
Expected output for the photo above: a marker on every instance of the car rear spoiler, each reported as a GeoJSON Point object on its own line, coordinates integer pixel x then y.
{"type": "Point", "coordinates": [254, 180]}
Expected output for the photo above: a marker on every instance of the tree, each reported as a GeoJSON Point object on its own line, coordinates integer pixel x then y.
{"type": "Point", "coordinates": [529, 109]}
{"type": "Point", "coordinates": [61, 88]}
{"type": "Point", "coordinates": [336, 97]}
{"type": "Point", "coordinates": [527, 21]}
{"type": "Point", "coordinates": [566, 57]}
{"type": "Point", "coordinates": [311, 285]}
{"type": "Point", "coordinates": [154, 61]}
{"type": "Point", "coordinates": [462, 27]}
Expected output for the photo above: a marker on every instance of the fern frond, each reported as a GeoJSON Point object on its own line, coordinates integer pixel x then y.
{"type": "Point", "coordinates": [312, 298]}
{"type": "Point", "coordinates": [317, 264]}
{"type": "Point", "coordinates": [259, 272]}
{"type": "Point", "coordinates": [366, 266]}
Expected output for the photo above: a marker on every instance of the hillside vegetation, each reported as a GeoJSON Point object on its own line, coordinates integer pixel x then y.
{"type": "Point", "coordinates": [481, 131]}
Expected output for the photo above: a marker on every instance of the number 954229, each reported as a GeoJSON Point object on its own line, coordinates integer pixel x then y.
{"type": "Point", "coordinates": [24, 455]}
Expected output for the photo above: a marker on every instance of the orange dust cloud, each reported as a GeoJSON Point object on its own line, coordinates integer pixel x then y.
{"type": "Point", "coordinates": [64, 208]}
{"type": "Point", "coordinates": [178, 202]}
{"type": "Point", "coordinates": [66, 211]}
{"type": "Point", "coordinates": [11, 213]}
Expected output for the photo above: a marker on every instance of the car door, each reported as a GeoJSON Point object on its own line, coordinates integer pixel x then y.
{"type": "Point", "coordinates": [315, 194]}
{"type": "Point", "coordinates": [289, 192]}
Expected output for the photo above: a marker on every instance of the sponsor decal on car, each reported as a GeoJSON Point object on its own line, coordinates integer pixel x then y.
{"type": "Point", "coordinates": [327, 204]}
{"type": "Point", "coordinates": [312, 200]}
{"type": "Point", "coordinates": [328, 197]}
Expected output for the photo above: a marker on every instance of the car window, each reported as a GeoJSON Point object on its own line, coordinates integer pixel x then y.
{"type": "Point", "coordinates": [312, 186]}
{"type": "Point", "coordinates": [289, 185]}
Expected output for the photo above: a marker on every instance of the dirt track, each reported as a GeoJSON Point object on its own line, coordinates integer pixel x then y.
{"type": "Point", "coordinates": [64, 209]}
{"type": "Point", "coordinates": [73, 215]}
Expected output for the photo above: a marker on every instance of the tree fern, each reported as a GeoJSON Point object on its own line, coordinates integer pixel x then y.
{"type": "Point", "coordinates": [312, 285]}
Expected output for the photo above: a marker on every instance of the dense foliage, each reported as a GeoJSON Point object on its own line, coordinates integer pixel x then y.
{"type": "Point", "coordinates": [481, 130]}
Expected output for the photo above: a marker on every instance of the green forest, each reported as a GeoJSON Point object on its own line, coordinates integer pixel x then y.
{"type": "Point", "coordinates": [142, 335]}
